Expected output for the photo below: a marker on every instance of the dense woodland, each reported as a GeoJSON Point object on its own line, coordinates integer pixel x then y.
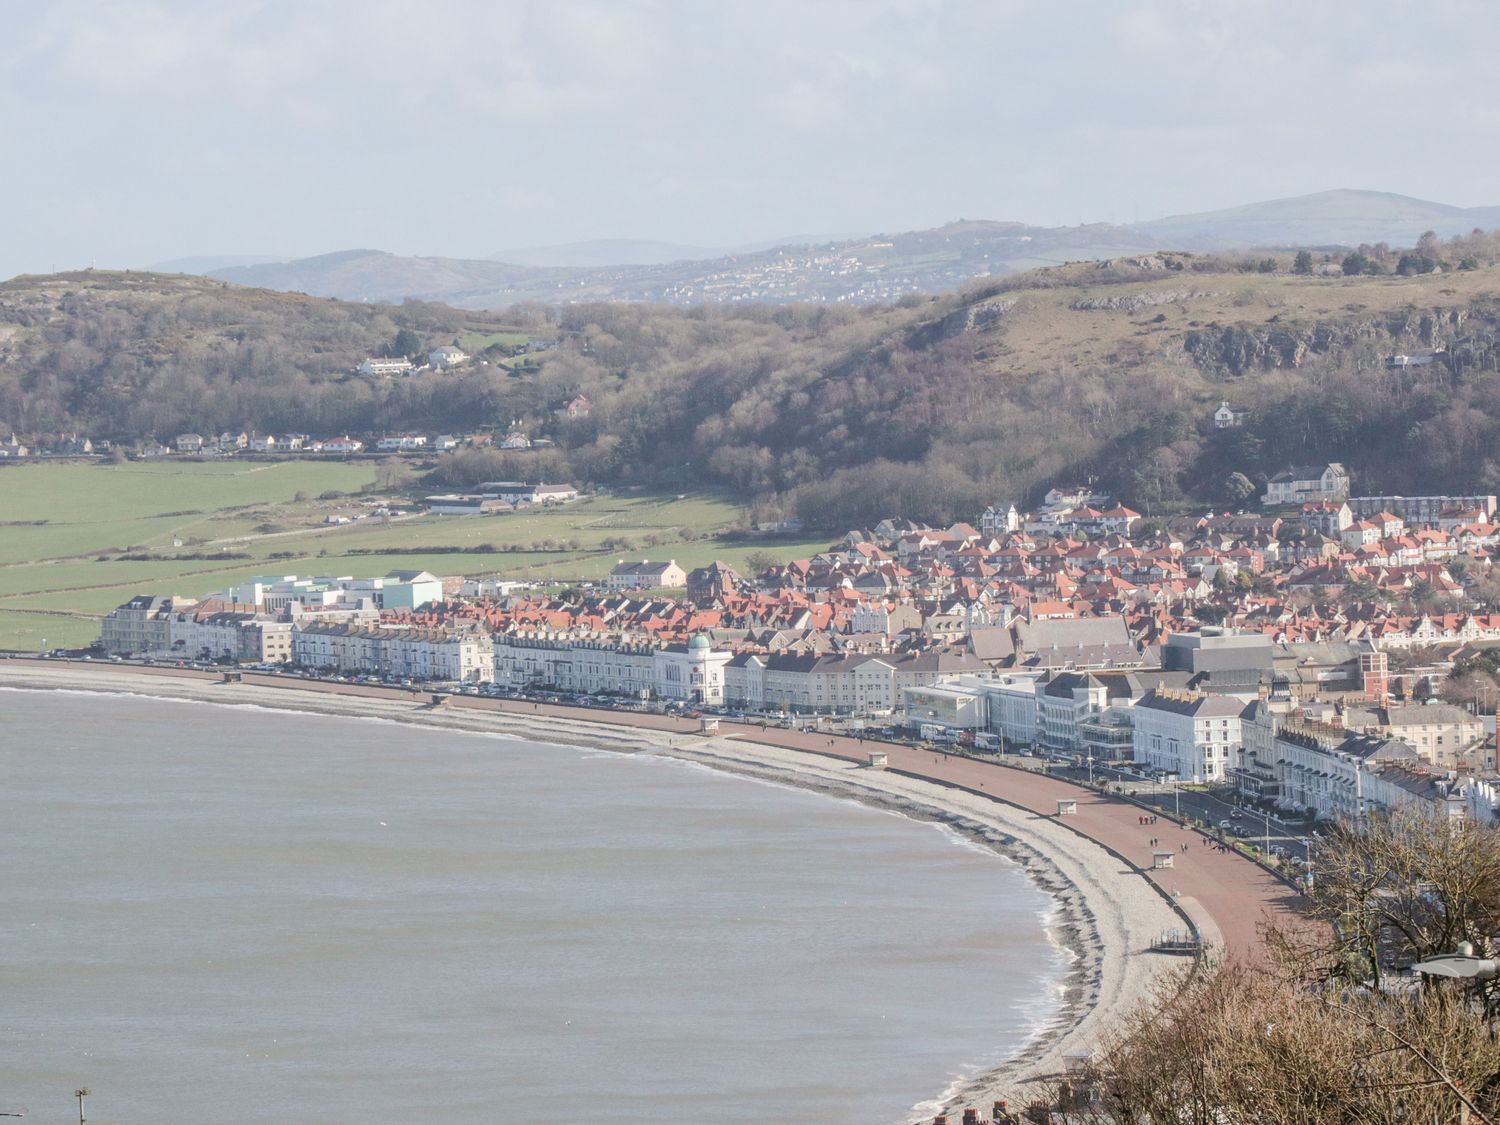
{"type": "Point", "coordinates": [930, 408]}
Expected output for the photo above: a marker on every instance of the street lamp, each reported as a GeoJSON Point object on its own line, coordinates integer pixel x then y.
{"type": "Point", "coordinates": [80, 1094]}
{"type": "Point", "coordinates": [1461, 965]}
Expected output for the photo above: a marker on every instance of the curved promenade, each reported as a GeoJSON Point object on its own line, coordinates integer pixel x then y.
{"type": "Point", "coordinates": [1226, 894]}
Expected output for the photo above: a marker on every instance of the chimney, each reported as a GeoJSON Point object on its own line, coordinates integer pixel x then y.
{"type": "Point", "coordinates": [971, 1117]}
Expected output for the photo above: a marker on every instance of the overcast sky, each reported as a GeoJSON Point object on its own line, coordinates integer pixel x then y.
{"type": "Point", "coordinates": [138, 132]}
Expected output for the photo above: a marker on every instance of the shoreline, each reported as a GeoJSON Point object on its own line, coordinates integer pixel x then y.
{"type": "Point", "coordinates": [1104, 918]}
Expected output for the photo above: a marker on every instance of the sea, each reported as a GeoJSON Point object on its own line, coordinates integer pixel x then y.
{"type": "Point", "coordinates": [236, 914]}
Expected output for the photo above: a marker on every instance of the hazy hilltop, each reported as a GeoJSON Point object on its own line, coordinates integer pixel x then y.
{"type": "Point", "coordinates": [932, 406]}
{"type": "Point", "coordinates": [1328, 218]}
{"type": "Point", "coordinates": [604, 252]}
{"type": "Point", "coordinates": [377, 276]}
{"type": "Point", "coordinates": [870, 270]}
{"type": "Point", "coordinates": [207, 263]}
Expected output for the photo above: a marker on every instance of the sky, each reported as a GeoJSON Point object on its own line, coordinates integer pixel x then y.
{"type": "Point", "coordinates": [144, 131]}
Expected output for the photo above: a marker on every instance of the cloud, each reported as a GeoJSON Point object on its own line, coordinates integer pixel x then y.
{"type": "Point", "coordinates": [463, 125]}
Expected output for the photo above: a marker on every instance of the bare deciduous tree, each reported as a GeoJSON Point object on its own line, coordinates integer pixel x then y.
{"type": "Point", "coordinates": [1321, 1029]}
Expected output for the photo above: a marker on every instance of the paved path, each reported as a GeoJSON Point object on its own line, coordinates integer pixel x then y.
{"type": "Point", "coordinates": [1223, 891]}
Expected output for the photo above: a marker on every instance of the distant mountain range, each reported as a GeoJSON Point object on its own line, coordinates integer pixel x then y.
{"type": "Point", "coordinates": [206, 264]}
{"type": "Point", "coordinates": [1328, 218]}
{"type": "Point", "coordinates": [604, 252]}
{"type": "Point", "coordinates": [879, 268]}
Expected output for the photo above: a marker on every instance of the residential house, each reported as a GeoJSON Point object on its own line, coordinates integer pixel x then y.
{"type": "Point", "coordinates": [646, 575]}
{"type": "Point", "coordinates": [1227, 416]}
{"type": "Point", "coordinates": [382, 365]}
{"type": "Point", "coordinates": [1303, 483]}
{"type": "Point", "coordinates": [1418, 359]}
{"type": "Point", "coordinates": [1000, 520]}
{"type": "Point", "coordinates": [709, 585]}
{"type": "Point", "coordinates": [1420, 509]}
{"type": "Point", "coordinates": [402, 443]}
{"type": "Point", "coordinates": [447, 356]}
{"type": "Point", "coordinates": [1327, 517]}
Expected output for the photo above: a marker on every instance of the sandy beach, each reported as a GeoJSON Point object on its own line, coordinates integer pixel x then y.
{"type": "Point", "coordinates": [1110, 908]}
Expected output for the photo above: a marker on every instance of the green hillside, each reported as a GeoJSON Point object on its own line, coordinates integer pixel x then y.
{"type": "Point", "coordinates": [931, 407]}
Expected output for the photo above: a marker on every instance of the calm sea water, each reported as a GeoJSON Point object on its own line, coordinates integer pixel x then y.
{"type": "Point", "coordinates": [235, 915]}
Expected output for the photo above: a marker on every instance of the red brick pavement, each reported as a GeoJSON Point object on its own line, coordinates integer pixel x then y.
{"type": "Point", "coordinates": [1236, 893]}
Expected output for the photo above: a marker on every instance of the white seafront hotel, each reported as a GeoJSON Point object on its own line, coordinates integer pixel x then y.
{"type": "Point", "coordinates": [692, 672]}
{"type": "Point", "coordinates": [421, 654]}
{"type": "Point", "coordinates": [1189, 734]}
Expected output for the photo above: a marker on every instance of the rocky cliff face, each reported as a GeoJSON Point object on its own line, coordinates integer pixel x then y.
{"type": "Point", "coordinates": [1238, 350]}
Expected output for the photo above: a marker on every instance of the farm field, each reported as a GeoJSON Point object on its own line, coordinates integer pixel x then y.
{"type": "Point", "coordinates": [66, 529]}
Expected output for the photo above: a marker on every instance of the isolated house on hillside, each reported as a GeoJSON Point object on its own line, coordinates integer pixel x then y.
{"type": "Point", "coordinates": [1228, 416]}
{"type": "Point", "coordinates": [381, 365]}
{"type": "Point", "coordinates": [446, 356]}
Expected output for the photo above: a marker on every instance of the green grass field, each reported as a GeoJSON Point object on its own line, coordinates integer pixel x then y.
{"type": "Point", "coordinates": [63, 528]}
{"type": "Point", "coordinates": [475, 342]}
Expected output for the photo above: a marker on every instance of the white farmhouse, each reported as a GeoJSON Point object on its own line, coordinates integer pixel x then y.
{"type": "Point", "coordinates": [447, 356]}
